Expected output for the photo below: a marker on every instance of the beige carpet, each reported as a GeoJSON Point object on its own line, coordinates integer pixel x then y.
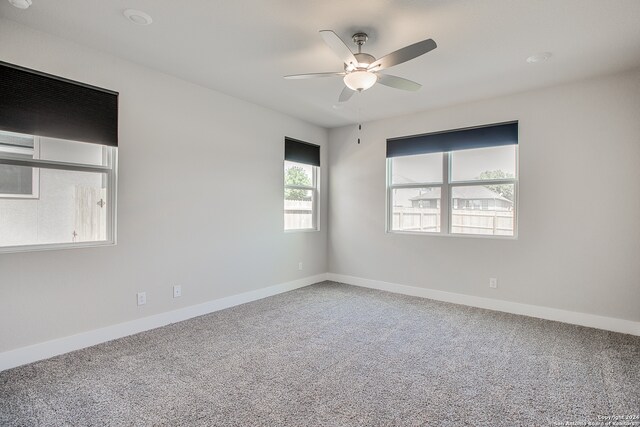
{"type": "Point", "coordinates": [336, 355]}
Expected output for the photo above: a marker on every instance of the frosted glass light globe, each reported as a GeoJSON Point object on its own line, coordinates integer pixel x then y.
{"type": "Point", "coordinates": [21, 4]}
{"type": "Point", "coordinates": [360, 80]}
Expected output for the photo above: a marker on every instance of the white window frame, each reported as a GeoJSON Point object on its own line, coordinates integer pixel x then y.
{"type": "Point", "coordinates": [109, 167]}
{"type": "Point", "coordinates": [315, 198]}
{"type": "Point", "coordinates": [446, 202]}
{"type": "Point", "coordinates": [35, 180]}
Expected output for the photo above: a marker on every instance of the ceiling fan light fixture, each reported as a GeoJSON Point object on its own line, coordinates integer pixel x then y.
{"type": "Point", "coordinates": [360, 80]}
{"type": "Point", "coordinates": [21, 4]}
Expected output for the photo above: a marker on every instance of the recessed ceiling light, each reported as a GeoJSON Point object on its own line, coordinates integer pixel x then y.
{"type": "Point", "coordinates": [539, 57]}
{"type": "Point", "coordinates": [138, 17]}
{"type": "Point", "coordinates": [21, 4]}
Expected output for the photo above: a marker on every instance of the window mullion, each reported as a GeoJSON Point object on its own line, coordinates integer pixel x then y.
{"type": "Point", "coordinates": [389, 207]}
{"type": "Point", "coordinates": [50, 164]}
{"type": "Point", "coordinates": [416, 185]}
{"type": "Point", "coordinates": [484, 182]}
{"type": "Point", "coordinates": [316, 199]}
{"type": "Point", "coordinates": [298, 187]}
{"type": "Point", "coordinates": [445, 208]}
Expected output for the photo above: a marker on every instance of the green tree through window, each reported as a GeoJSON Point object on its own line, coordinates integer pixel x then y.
{"type": "Point", "coordinates": [505, 190]}
{"type": "Point", "coordinates": [296, 176]}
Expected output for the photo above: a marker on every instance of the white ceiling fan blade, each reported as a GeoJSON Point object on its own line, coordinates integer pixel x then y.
{"type": "Point", "coordinates": [405, 54]}
{"type": "Point", "coordinates": [338, 47]}
{"type": "Point", "coordinates": [345, 95]}
{"type": "Point", "coordinates": [313, 75]}
{"type": "Point", "coordinates": [398, 82]}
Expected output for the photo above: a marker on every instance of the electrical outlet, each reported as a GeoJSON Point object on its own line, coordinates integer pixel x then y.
{"type": "Point", "coordinates": [300, 266]}
{"type": "Point", "coordinates": [142, 298]}
{"type": "Point", "coordinates": [493, 282]}
{"type": "Point", "coordinates": [177, 291]}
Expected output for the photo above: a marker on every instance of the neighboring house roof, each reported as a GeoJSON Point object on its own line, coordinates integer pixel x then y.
{"type": "Point", "coordinates": [430, 194]}
{"type": "Point", "coordinates": [467, 193]}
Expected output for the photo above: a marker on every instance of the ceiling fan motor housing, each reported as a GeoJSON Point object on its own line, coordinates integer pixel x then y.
{"type": "Point", "coordinates": [364, 59]}
{"type": "Point", "coordinates": [360, 38]}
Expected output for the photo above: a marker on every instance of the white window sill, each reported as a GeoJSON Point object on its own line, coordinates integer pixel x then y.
{"type": "Point", "coordinates": [432, 234]}
{"type": "Point", "coordinates": [53, 246]}
{"type": "Point", "coordinates": [303, 230]}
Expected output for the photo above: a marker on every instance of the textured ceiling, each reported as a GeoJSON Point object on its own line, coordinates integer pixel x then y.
{"type": "Point", "coordinates": [244, 47]}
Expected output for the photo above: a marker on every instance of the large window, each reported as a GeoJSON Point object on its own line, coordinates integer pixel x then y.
{"type": "Point", "coordinates": [58, 162]}
{"type": "Point", "coordinates": [301, 177]}
{"type": "Point", "coordinates": [460, 191]}
{"type": "Point", "coordinates": [75, 204]}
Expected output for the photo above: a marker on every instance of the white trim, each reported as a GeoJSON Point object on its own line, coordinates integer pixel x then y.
{"type": "Point", "coordinates": [21, 356]}
{"type": "Point", "coordinates": [54, 246]}
{"type": "Point", "coordinates": [572, 317]}
{"type": "Point", "coordinates": [33, 353]}
{"type": "Point", "coordinates": [315, 198]}
{"type": "Point", "coordinates": [53, 164]}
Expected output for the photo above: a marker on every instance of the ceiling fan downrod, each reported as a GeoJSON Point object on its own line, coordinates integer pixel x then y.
{"type": "Point", "coordinates": [360, 39]}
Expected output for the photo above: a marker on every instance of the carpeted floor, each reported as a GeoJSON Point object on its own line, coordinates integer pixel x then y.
{"type": "Point", "coordinates": [336, 355]}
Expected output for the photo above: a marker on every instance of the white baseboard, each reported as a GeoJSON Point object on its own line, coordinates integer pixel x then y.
{"type": "Point", "coordinates": [21, 356]}
{"type": "Point", "coordinates": [572, 317]}
{"type": "Point", "coordinates": [32, 353]}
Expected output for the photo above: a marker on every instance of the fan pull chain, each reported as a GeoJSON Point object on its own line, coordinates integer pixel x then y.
{"type": "Point", "coordinates": [358, 114]}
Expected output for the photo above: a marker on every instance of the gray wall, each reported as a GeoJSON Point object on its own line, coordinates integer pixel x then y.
{"type": "Point", "coordinates": [578, 141]}
{"type": "Point", "coordinates": [579, 203]}
{"type": "Point", "coordinates": [188, 158]}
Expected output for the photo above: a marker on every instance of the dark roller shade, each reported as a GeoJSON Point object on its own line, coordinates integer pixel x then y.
{"type": "Point", "coordinates": [301, 152]}
{"type": "Point", "coordinates": [40, 104]}
{"type": "Point", "coordinates": [452, 140]}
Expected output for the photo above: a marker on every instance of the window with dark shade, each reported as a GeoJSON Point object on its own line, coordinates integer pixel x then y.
{"type": "Point", "coordinates": [301, 152]}
{"type": "Point", "coordinates": [58, 162]}
{"type": "Point", "coordinates": [301, 177]}
{"type": "Point", "coordinates": [459, 182]}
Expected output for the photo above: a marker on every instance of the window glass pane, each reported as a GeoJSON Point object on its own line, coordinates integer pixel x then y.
{"type": "Point", "coordinates": [415, 209]}
{"type": "Point", "coordinates": [17, 180]}
{"type": "Point", "coordinates": [298, 174]}
{"type": "Point", "coordinates": [71, 207]}
{"type": "Point", "coordinates": [483, 163]}
{"type": "Point", "coordinates": [483, 209]}
{"type": "Point", "coordinates": [298, 209]}
{"type": "Point", "coordinates": [424, 168]}
{"type": "Point", "coordinates": [61, 150]}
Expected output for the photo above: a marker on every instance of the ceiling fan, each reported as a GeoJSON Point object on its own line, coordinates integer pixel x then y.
{"type": "Point", "coordinates": [361, 70]}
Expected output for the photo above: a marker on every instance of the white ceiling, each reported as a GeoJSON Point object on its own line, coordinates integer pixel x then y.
{"type": "Point", "coordinates": [244, 47]}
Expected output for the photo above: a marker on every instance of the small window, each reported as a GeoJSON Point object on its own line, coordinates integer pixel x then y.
{"type": "Point", "coordinates": [300, 196]}
{"type": "Point", "coordinates": [460, 191]}
{"type": "Point", "coordinates": [301, 178]}
{"type": "Point", "coordinates": [58, 161]}
{"type": "Point", "coordinates": [55, 193]}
